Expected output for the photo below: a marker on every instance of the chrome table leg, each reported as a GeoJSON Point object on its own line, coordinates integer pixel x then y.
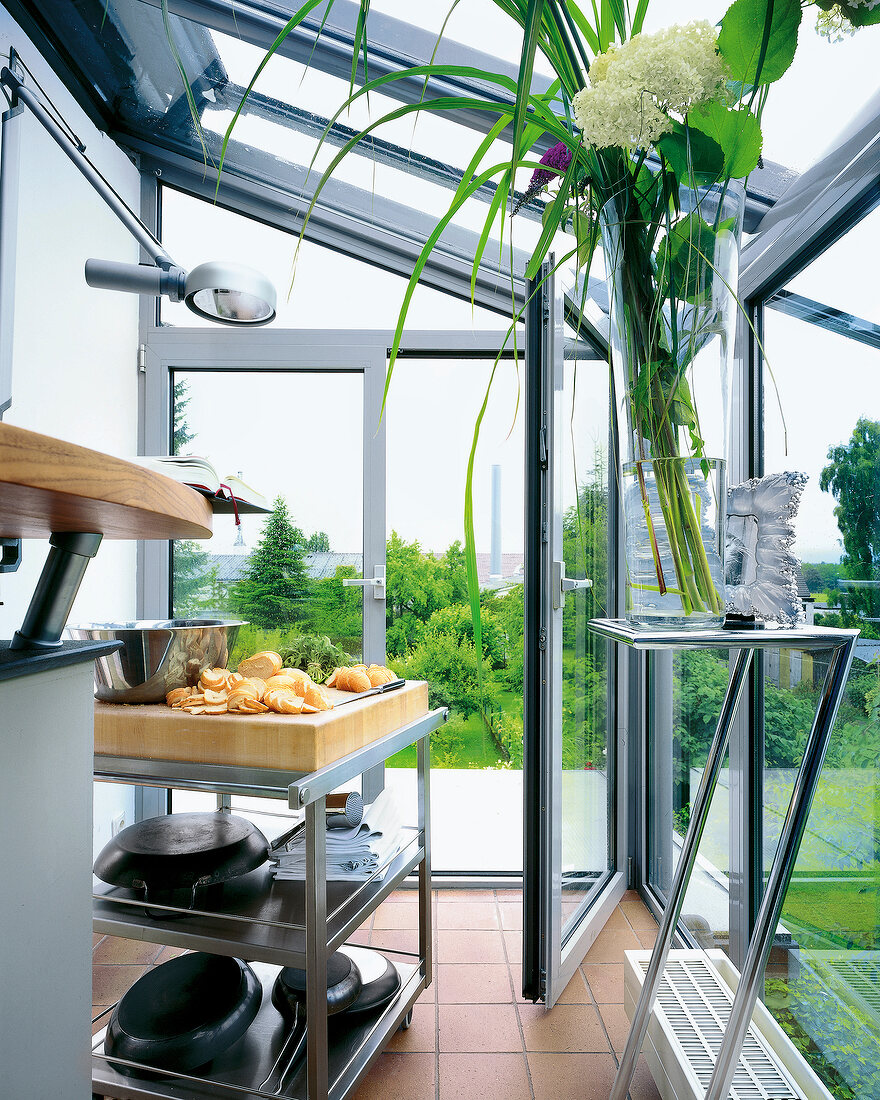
{"type": "Point", "coordinates": [671, 913]}
{"type": "Point", "coordinates": [780, 872]}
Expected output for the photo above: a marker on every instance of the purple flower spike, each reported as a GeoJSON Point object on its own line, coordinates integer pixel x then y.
{"type": "Point", "coordinates": [558, 156]}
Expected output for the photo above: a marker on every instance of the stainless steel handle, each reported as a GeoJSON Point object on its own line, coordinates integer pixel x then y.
{"type": "Point", "coordinates": [376, 582]}
{"type": "Point", "coordinates": [563, 585]}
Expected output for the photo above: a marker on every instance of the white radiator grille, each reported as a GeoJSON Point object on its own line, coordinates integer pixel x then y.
{"type": "Point", "coordinates": [697, 1009]}
{"type": "Point", "coordinates": [857, 971]}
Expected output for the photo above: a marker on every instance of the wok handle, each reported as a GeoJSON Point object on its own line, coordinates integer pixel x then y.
{"type": "Point", "coordinates": [290, 1053]}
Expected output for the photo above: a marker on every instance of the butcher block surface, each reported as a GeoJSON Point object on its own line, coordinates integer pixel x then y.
{"type": "Point", "coordinates": [295, 742]}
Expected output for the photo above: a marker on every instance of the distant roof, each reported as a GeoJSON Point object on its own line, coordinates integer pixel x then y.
{"type": "Point", "coordinates": [511, 569]}
{"type": "Point", "coordinates": [803, 592]}
{"type": "Point", "coordinates": [323, 565]}
{"type": "Point", "coordinates": [230, 567]}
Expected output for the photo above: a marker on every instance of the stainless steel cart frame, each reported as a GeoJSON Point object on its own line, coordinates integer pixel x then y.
{"type": "Point", "coordinates": [841, 644]}
{"type": "Point", "coordinates": [263, 933]}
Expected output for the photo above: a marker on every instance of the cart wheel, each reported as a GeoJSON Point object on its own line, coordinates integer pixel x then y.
{"type": "Point", "coordinates": [406, 1021]}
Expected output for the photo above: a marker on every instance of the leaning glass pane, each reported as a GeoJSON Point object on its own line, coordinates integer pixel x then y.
{"type": "Point", "coordinates": [822, 978]}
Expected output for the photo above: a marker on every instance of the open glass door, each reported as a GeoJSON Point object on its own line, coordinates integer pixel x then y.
{"type": "Point", "coordinates": [571, 883]}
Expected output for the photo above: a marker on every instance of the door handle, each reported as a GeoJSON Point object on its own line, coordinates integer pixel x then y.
{"type": "Point", "coordinates": [376, 582]}
{"type": "Point", "coordinates": [563, 585]}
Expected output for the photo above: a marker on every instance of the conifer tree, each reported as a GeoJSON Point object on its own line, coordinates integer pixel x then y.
{"type": "Point", "coordinates": [275, 588]}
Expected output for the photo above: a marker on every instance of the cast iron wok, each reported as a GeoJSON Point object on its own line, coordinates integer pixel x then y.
{"type": "Point", "coordinates": [288, 996]}
{"type": "Point", "coordinates": [171, 856]}
{"type": "Point", "coordinates": [184, 1013]}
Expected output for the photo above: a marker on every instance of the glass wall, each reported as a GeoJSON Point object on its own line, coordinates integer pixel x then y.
{"type": "Point", "coordinates": [296, 437]}
{"type": "Point", "coordinates": [588, 757]}
{"type": "Point", "coordinates": [686, 692]}
{"type": "Point", "coordinates": [476, 757]}
{"type": "Point", "coordinates": [823, 346]}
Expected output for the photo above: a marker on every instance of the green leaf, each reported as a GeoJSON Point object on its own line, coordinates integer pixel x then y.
{"type": "Point", "coordinates": [685, 258]}
{"type": "Point", "coordinates": [861, 17]}
{"type": "Point", "coordinates": [531, 33]}
{"type": "Point", "coordinates": [737, 132]}
{"type": "Point", "coordinates": [646, 189]}
{"type": "Point", "coordinates": [758, 51]}
{"type": "Point", "coordinates": [694, 157]}
{"type": "Point", "coordinates": [639, 17]}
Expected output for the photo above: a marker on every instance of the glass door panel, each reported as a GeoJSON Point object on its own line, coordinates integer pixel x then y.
{"type": "Point", "coordinates": [476, 757]}
{"type": "Point", "coordinates": [570, 881]}
{"type": "Point", "coordinates": [587, 759]}
{"type": "Point", "coordinates": [297, 438]}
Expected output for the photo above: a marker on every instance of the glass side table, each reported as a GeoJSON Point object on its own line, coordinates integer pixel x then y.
{"type": "Point", "coordinates": [841, 643]}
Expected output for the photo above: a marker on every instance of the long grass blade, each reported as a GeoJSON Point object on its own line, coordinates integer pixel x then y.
{"type": "Point", "coordinates": [289, 26]}
{"type": "Point", "coordinates": [187, 87]}
{"type": "Point", "coordinates": [639, 17]}
{"type": "Point", "coordinates": [531, 33]}
{"type": "Point", "coordinates": [360, 44]}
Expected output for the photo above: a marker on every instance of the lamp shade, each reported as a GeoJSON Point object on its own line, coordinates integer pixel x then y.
{"type": "Point", "coordinates": [230, 293]}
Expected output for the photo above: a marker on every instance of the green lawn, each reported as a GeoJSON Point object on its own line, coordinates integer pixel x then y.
{"type": "Point", "coordinates": [841, 911]}
{"type": "Point", "coordinates": [461, 742]}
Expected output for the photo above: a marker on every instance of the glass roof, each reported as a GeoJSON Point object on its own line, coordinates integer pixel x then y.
{"type": "Point", "coordinates": [117, 53]}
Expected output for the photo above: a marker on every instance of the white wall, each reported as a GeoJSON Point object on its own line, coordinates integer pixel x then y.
{"type": "Point", "coordinates": [74, 358]}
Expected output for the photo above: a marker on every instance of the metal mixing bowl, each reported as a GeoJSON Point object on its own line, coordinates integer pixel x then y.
{"type": "Point", "coordinates": [156, 655]}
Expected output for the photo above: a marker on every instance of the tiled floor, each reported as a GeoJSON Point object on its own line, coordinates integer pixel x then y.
{"type": "Point", "coordinates": [473, 1037]}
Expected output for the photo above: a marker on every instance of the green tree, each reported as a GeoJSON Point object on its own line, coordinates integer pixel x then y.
{"type": "Point", "coordinates": [181, 433]}
{"type": "Point", "coordinates": [193, 580]}
{"type": "Point", "coordinates": [418, 584]}
{"type": "Point", "coordinates": [853, 477]}
{"type": "Point", "coordinates": [506, 611]}
{"type": "Point", "coordinates": [318, 543]}
{"type": "Point", "coordinates": [337, 610]}
{"type": "Point", "coordinates": [275, 587]}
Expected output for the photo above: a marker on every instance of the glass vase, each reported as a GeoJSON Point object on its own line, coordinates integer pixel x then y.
{"type": "Point", "coordinates": [673, 318]}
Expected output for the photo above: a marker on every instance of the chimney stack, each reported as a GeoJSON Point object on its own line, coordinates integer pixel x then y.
{"type": "Point", "coordinates": [495, 556]}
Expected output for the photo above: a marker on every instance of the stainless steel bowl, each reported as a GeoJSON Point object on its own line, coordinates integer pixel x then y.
{"type": "Point", "coordinates": [156, 655]}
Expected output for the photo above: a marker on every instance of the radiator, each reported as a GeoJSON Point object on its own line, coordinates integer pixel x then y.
{"type": "Point", "coordinates": [687, 1024]}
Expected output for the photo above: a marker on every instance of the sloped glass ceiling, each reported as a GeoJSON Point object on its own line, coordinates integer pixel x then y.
{"type": "Point", "coordinates": [118, 60]}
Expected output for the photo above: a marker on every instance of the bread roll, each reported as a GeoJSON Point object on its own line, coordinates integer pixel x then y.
{"type": "Point", "coordinates": [262, 665]}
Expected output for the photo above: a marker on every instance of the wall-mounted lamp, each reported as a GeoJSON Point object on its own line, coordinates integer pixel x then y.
{"type": "Point", "coordinates": [230, 294]}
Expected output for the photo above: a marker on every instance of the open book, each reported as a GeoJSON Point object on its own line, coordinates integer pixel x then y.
{"type": "Point", "coordinates": [200, 474]}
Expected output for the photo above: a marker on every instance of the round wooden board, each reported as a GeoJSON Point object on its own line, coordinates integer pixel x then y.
{"type": "Point", "coordinates": [49, 485]}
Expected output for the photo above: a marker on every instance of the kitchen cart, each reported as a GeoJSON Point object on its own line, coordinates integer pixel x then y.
{"type": "Point", "coordinates": [274, 924]}
{"type": "Point", "coordinates": [840, 645]}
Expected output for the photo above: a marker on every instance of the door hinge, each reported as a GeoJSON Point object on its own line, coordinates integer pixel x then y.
{"type": "Point", "coordinates": [629, 872]}
{"type": "Point", "coordinates": [542, 639]}
{"type": "Point", "coordinates": [142, 358]}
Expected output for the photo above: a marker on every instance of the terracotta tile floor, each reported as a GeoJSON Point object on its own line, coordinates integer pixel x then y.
{"type": "Point", "coordinates": [473, 1037]}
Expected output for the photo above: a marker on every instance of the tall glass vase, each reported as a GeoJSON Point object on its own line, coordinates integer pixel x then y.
{"type": "Point", "coordinates": [673, 318]}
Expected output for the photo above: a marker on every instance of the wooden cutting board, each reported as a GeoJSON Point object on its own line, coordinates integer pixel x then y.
{"type": "Point", "coordinates": [295, 742]}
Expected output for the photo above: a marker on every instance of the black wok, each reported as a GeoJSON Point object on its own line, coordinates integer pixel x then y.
{"type": "Point", "coordinates": [171, 856]}
{"type": "Point", "coordinates": [184, 1013]}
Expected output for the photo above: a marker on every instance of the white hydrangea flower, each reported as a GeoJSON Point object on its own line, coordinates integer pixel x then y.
{"type": "Point", "coordinates": [634, 87]}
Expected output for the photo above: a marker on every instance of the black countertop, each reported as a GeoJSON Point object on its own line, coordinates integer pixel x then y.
{"type": "Point", "coordinates": [25, 662]}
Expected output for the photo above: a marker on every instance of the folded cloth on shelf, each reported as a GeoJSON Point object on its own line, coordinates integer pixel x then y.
{"type": "Point", "coordinates": [358, 852]}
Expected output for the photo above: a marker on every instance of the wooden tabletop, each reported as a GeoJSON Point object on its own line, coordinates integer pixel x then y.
{"type": "Point", "coordinates": [49, 485]}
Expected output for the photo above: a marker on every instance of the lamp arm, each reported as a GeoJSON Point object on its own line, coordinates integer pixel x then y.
{"type": "Point", "coordinates": [128, 218]}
